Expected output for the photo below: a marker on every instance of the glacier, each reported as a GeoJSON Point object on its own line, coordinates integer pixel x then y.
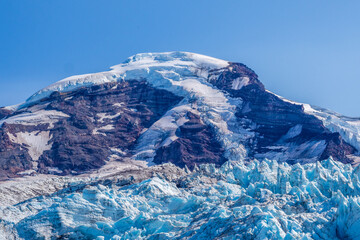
{"type": "Point", "coordinates": [132, 198]}
{"type": "Point", "coordinates": [239, 200]}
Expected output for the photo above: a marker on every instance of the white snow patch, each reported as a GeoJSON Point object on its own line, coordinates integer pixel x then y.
{"type": "Point", "coordinates": [103, 116]}
{"type": "Point", "coordinates": [35, 118]}
{"type": "Point", "coordinates": [118, 151]}
{"type": "Point", "coordinates": [162, 132]}
{"type": "Point", "coordinates": [284, 99]}
{"type": "Point", "coordinates": [118, 104]}
{"type": "Point", "coordinates": [277, 147]}
{"type": "Point", "coordinates": [293, 132]}
{"type": "Point", "coordinates": [13, 107]}
{"type": "Point", "coordinates": [36, 142]}
{"type": "Point", "coordinates": [53, 170]}
{"type": "Point", "coordinates": [240, 82]}
{"type": "Point", "coordinates": [27, 172]}
{"type": "Point", "coordinates": [106, 127]}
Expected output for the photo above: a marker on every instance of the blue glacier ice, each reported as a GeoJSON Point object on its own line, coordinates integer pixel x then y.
{"type": "Point", "coordinates": [240, 200]}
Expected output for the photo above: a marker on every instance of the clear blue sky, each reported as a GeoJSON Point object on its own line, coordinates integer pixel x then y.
{"type": "Point", "coordinates": [308, 51]}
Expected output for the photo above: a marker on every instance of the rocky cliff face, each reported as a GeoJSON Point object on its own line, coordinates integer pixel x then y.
{"type": "Point", "coordinates": [98, 123]}
{"type": "Point", "coordinates": [195, 144]}
{"type": "Point", "coordinates": [183, 108]}
{"type": "Point", "coordinates": [281, 125]}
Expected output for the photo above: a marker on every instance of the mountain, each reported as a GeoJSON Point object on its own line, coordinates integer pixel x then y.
{"type": "Point", "coordinates": [176, 107]}
{"type": "Point", "coordinates": [176, 145]}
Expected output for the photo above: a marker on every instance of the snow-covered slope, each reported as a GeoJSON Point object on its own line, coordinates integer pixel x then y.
{"type": "Point", "coordinates": [140, 66]}
{"type": "Point", "coordinates": [348, 127]}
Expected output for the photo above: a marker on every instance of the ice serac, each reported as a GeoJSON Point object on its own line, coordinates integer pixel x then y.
{"type": "Point", "coordinates": [177, 107]}
{"type": "Point", "coordinates": [239, 200]}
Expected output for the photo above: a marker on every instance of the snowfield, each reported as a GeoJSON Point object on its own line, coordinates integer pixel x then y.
{"type": "Point", "coordinates": [137, 67]}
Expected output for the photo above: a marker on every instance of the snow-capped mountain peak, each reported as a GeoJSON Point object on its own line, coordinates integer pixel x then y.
{"type": "Point", "coordinates": [177, 107]}
{"type": "Point", "coordinates": [137, 67]}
